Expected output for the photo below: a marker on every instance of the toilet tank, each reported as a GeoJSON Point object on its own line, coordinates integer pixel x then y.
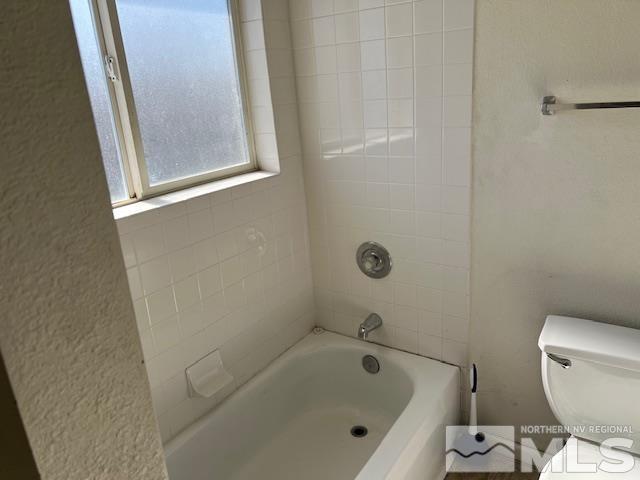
{"type": "Point", "coordinates": [591, 377]}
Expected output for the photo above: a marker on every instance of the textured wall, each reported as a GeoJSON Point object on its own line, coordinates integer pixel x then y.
{"type": "Point", "coordinates": [67, 330]}
{"type": "Point", "coordinates": [200, 277]}
{"type": "Point", "coordinates": [384, 92]}
{"type": "Point", "coordinates": [555, 199]}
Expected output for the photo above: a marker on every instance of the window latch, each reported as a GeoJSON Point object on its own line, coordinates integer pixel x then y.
{"type": "Point", "coordinates": [110, 66]}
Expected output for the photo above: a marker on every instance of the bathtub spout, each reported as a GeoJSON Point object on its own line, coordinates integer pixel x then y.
{"type": "Point", "coordinates": [372, 322]}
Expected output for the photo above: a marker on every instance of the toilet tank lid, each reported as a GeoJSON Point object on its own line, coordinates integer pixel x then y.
{"type": "Point", "coordinates": [591, 341]}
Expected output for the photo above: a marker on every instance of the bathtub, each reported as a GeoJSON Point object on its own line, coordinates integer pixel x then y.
{"type": "Point", "coordinates": [301, 418]}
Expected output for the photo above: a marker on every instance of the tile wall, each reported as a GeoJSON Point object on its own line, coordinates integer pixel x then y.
{"type": "Point", "coordinates": [384, 95]}
{"type": "Point", "coordinates": [228, 270]}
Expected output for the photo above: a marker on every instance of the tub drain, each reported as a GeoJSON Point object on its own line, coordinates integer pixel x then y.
{"type": "Point", "coordinates": [359, 431]}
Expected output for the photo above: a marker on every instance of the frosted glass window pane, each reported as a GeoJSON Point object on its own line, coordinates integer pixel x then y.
{"type": "Point", "coordinates": [185, 85]}
{"type": "Point", "coordinates": [95, 76]}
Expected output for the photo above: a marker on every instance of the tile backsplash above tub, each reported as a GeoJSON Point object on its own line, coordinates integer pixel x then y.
{"type": "Point", "coordinates": [227, 271]}
{"type": "Point", "coordinates": [384, 94]}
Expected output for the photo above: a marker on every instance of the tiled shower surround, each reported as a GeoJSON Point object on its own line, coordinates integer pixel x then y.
{"type": "Point", "coordinates": [383, 109]}
{"type": "Point", "coordinates": [229, 270]}
{"type": "Point", "coordinates": [384, 95]}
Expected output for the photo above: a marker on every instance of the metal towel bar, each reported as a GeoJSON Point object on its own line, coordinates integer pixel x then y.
{"type": "Point", "coordinates": [549, 105]}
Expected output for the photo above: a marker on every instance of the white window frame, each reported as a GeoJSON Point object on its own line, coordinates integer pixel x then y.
{"type": "Point", "coordinates": [128, 134]}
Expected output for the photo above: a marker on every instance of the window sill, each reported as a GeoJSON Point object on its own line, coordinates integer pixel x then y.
{"type": "Point", "coordinates": [188, 193]}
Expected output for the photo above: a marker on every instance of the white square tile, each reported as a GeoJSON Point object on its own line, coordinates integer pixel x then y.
{"type": "Point", "coordinates": [200, 225]}
{"type": "Point", "coordinates": [372, 55]}
{"type": "Point", "coordinates": [345, 5]}
{"type": "Point", "coordinates": [428, 112]}
{"type": "Point", "coordinates": [375, 114]}
{"type": "Point", "coordinates": [348, 57]}
{"type": "Point", "coordinates": [399, 20]}
{"type": "Point", "coordinates": [231, 271]}
{"type": "Point", "coordinates": [301, 33]}
{"type": "Point", "coordinates": [324, 31]}
{"type": "Point", "coordinates": [253, 35]}
{"type": "Point", "coordinates": [364, 4]}
{"type": "Point", "coordinates": [321, 7]}
{"type": "Point", "coordinates": [371, 24]}
{"type": "Point", "coordinates": [402, 222]}
{"type": "Point", "coordinates": [455, 279]}
{"type": "Point", "coordinates": [206, 252]}
{"type": "Point", "coordinates": [402, 170]}
{"type": "Point", "coordinates": [210, 281]}
{"type": "Point", "coordinates": [305, 62]}
{"type": "Point", "coordinates": [402, 196]}
{"type": "Point", "coordinates": [191, 322]}
{"type": "Point", "coordinates": [428, 224]}
{"type": "Point", "coordinates": [351, 114]}
{"type": "Point", "coordinates": [457, 79]}
{"type": "Point", "coordinates": [377, 195]}
{"type": "Point", "coordinates": [429, 322]}
{"type": "Point", "coordinates": [226, 244]}
{"type": "Point", "coordinates": [400, 52]}
{"type": "Point", "coordinates": [400, 83]}
{"type": "Point", "coordinates": [214, 308]}
{"type": "Point", "coordinates": [299, 9]}
{"type": "Point", "coordinates": [457, 111]}
{"type": "Point", "coordinates": [186, 293]}
{"type": "Point", "coordinates": [428, 16]}
{"type": "Point", "coordinates": [149, 243]}
{"type": "Point", "coordinates": [455, 328]}
{"type": "Point", "coordinates": [326, 58]}
{"type": "Point", "coordinates": [142, 315]}
{"type": "Point", "coordinates": [376, 142]}
{"type": "Point", "coordinates": [430, 346]}
{"type": "Point", "coordinates": [429, 144]}
{"type": "Point", "coordinates": [250, 10]}
{"type": "Point", "coordinates": [155, 274]}
{"type": "Point", "coordinates": [458, 14]}
{"type": "Point", "coordinates": [428, 49]}
{"type": "Point", "coordinates": [429, 81]}
{"type": "Point", "coordinates": [128, 250]}
{"type": "Point", "coordinates": [400, 112]}
{"type": "Point", "coordinates": [374, 84]}
{"type": "Point", "coordinates": [455, 254]}
{"type": "Point", "coordinates": [455, 200]}
{"type": "Point", "coordinates": [182, 263]}
{"type": "Point", "coordinates": [404, 294]}
{"type": "Point", "coordinates": [458, 46]}
{"type": "Point", "coordinates": [428, 198]}
{"type": "Point", "coordinates": [161, 305]}
{"type": "Point", "coordinates": [327, 88]}
{"type": "Point", "coordinates": [347, 28]}
{"type": "Point", "coordinates": [401, 144]}
{"type": "Point", "coordinates": [166, 334]}
{"type": "Point", "coordinates": [455, 304]}
{"type": "Point", "coordinates": [135, 286]}
{"type": "Point", "coordinates": [353, 141]}
{"type": "Point", "coordinates": [455, 227]}
{"type": "Point", "coordinates": [350, 86]}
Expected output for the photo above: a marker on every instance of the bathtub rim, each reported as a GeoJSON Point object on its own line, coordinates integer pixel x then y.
{"type": "Point", "coordinates": [414, 415]}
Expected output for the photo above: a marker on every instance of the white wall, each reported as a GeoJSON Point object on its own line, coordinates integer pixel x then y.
{"type": "Point", "coordinates": [384, 91]}
{"type": "Point", "coordinates": [198, 281]}
{"type": "Point", "coordinates": [555, 199]}
{"type": "Point", "coordinates": [67, 329]}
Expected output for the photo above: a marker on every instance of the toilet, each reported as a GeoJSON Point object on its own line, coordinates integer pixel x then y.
{"type": "Point", "coordinates": [591, 377]}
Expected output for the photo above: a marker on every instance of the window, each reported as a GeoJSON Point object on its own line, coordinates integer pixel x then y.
{"type": "Point", "coordinates": [166, 84]}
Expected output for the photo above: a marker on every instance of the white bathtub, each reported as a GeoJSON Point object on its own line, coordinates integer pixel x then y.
{"type": "Point", "coordinates": [294, 420]}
